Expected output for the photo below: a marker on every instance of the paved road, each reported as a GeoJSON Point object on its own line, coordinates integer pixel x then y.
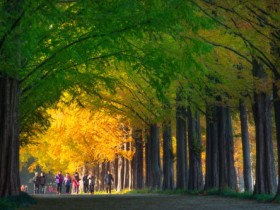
{"type": "Point", "coordinates": [145, 202]}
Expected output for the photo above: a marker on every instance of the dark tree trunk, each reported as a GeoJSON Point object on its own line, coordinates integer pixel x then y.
{"type": "Point", "coordinates": [126, 173]}
{"type": "Point", "coordinates": [168, 172]}
{"type": "Point", "coordinates": [103, 172]}
{"type": "Point", "coordinates": [130, 168]}
{"type": "Point", "coordinates": [97, 174]}
{"type": "Point", "coordinates": [195, 165]}
{"type": "Point", "coordinates": [116, 179]}
{"type": "Point", "coordinates": [125, 170]}
{"type": "Point", "coordinates": [130, 182]}
{"type": "Point", "coordinates": [181, 155]}
{"type": "Point", "coordinates": [108, 167]}
{"type": "Point", "coordinates": [122, 172]}
{"type": "Point", "coordinates": [276, 97]}
{"type": "Point", "coordinates": [148, 159]}
{"type": "Point", "coordinates": [9, 100]}
{"type": "Point", "coordinates": [212, 152]}
{"type": "Point", "coordinates": [227, 173]}
{"type": "Point", "coordinates": [265, 167]}
{"type": "Point", "coordinates": [155, 157]}
{"type": "Point", "coordinates": [138, 159]}
{"type": "Point", "coordinates": [247, 168]}
{"type": "Point", "coordinates": [9, 136]}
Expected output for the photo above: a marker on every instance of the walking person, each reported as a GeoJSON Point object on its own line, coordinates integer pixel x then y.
{"type": "Point", "coordinates": [91, 182]}
{"type": "Point", "coordinates": [67, 182]}
{"type": "Point", "coordinates": [108, 180]}
{"type": "Point", "coordinates": [42, 182]}
{"type": "Point", "coordinates": [76, 182]}
{"type": "Point", "coordinates": [85, 183]}
{"type": "Point", "coordinates": [58, 180]}
{"type": "Point", "coordinates": [36, 181]}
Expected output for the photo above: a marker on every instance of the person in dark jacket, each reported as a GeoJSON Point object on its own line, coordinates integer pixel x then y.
{"type": "Point", "coordinates": [85, 183]}
{"type": "Point", "coordinates": [58, 180]}
{"type": "Point", "coordinates": [91, 182]}
{"type": "Point", "coordinates": [42, 181]}
{"type": "Point", "coordinates": [108, 180]}
{"type": "Point", "coordinates": [36, 181]}
{"type": "Point", "coordinates": [67, 182]}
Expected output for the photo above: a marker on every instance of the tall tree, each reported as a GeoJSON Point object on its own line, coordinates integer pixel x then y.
{"type": "Point", "coordinates": [168, 173]}
{"type": "Point", "coordinates": [247, 168]}
{"type": "Point", "coordinates": [227, 174]}
{"type": "Point", "coordinates": [9, 98]}
{"type": "Point", "coordinates": [138, 159]}
{"type": "Point", "coordinates": [265, 167]}
{"type": "Point", "coordinates": [181, 153]}
{"type": "Point", "coordinates": [195, 148]}
{"type": "Point", "coordinates": [155, 158]}
{"type": "Point", "coordinates": [212, 152]}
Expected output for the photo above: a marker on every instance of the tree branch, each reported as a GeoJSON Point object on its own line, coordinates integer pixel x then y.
{"type": "Point", "coordinates": [79, 40]}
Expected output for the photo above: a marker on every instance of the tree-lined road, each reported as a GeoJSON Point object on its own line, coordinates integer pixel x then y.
{"type": "Point", "coordinates": [145, 201]}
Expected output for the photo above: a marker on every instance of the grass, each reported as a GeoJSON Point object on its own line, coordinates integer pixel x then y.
{"type": "Point", "coordinates": [263, 198]}
{"type": "Point", "coordinates": [14, 202]}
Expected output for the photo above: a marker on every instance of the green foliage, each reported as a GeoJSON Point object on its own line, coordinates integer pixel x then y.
{"type": "Point", "coordinates": [63, 45]}
{"type": "Point", "coordinates": [14, 202]}
{"type": "Point", "coordinates": [265, 198]}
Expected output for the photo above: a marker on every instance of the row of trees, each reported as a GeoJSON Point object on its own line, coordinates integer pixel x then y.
{"type": "Point", "coordinates": [153, 62]}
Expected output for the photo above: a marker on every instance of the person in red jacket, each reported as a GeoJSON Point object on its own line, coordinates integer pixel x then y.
{"type": "Point", "coordinates": [76, 182]}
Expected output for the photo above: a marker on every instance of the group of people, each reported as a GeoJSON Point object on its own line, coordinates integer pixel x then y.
{"type": "Point", "coordinates": [67, 181]}
{"type": "Point", "coordinates": [88, 182]}
{"type": "Point", "coordinates": [39, 181]}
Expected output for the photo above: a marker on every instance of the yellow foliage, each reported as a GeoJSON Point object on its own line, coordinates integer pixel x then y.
{"type": "Point", "coordinates": [77, 136]}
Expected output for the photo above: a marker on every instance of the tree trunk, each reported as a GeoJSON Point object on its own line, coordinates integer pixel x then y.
{"type": "Point", "coordinates": [181, 155]}
{"type": "Point", "coordinates": [212, 152]}
{"type": "Point", "coordinates": [227, 173]}
{"type": "Point", "coordinates": [9, 136]}
{"type": "Point", "coordinates": [276, 97]}
{"type": "Point", "coordinates": [195, 181]}
{"type": "Point", "coordinates": [97, 175]}
{"type": "Point", "coordinates": [265, 168]}
{"type": "Point", "coordinates": [130, 181]}
{"type": "Point", "coordinates": [125, 171]}
{"type": "Point", "coordinates": [120, 171]}
{"type": "Point", "coordinates": [130, 168]}
{"type": "Point", "coordinates": [116, 179]}
{"type": "Point", "coordinates": [103, 172]}
{"type": "Point", "coordinates": [247, 168]}
{"type": "Point", "coordinates": [168, 173]}
{"type": "Point", "coordinates": [155, 157]}
{"type": "Point", "coordinates": [138, 159]}
{"type": "Point", "coordinates": [148, 159]}
{"type": "Point", "coordinates": [107, 166]}
{"type": "Point", "coordinates": [9, 100]}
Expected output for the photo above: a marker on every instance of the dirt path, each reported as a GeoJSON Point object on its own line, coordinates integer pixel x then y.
{"type": "Point", "coordinates": [144, 202]}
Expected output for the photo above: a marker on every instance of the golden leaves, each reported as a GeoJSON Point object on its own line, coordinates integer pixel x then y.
{"type": "Point", "coordinates": [78, 136]}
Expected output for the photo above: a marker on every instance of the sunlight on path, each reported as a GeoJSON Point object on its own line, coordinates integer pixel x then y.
{"type": "Point", "coordinates": [144, 201]}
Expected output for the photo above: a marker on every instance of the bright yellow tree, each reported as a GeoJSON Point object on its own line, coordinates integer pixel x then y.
{"type": "Point", "coordinates": [77, 137]}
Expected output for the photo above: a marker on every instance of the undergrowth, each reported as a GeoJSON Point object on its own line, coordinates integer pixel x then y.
{"type": "Point", "coordinates": [14, 202]}
{"type": "Point", "coordinates": [264, 198]}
